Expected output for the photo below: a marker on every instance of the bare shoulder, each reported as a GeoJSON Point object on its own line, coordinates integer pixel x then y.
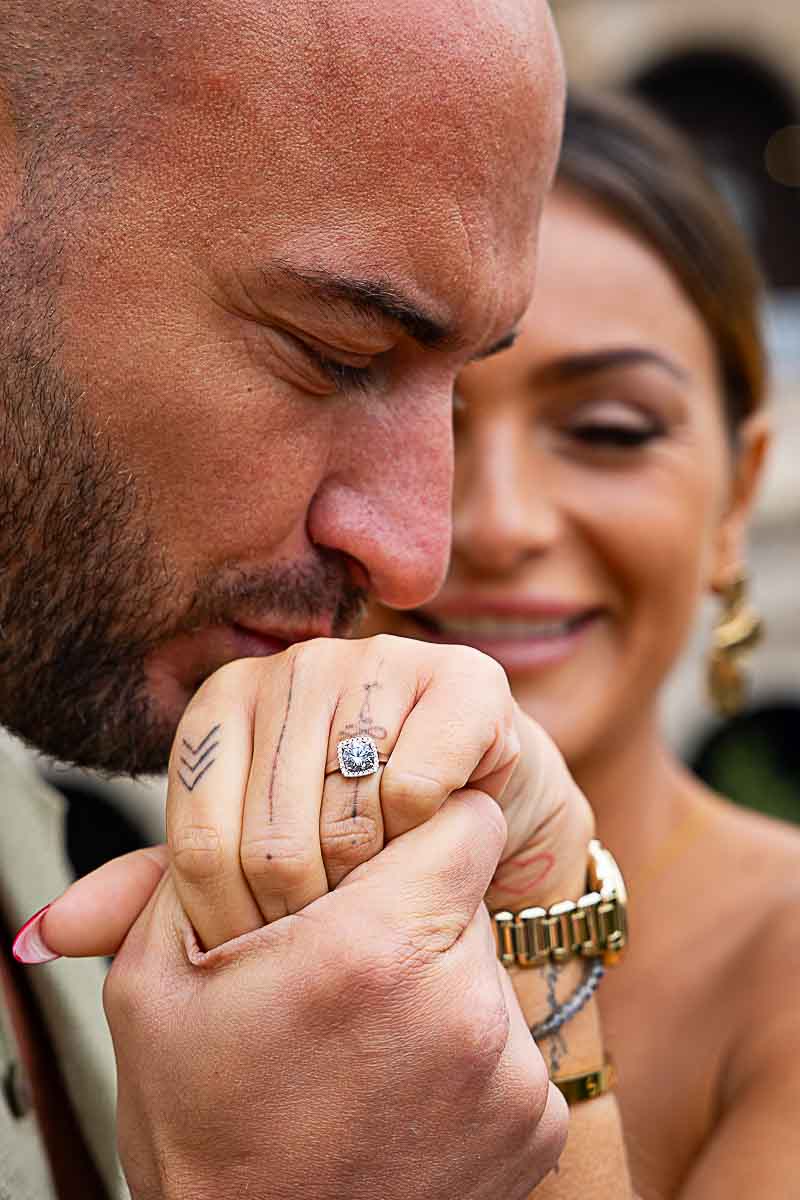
{"type": "Point", "coordinates": [753, 894]}
{"type": "Point", "coordinates": [758, 858]}
{"type": "Point", "coordinates": [761, 858]}
{"type": "Point", "coordinates": [761, 853]}
{"type": "Point", "coordinates": [742, 879]}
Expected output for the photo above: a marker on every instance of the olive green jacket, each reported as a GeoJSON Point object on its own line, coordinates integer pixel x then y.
{"type": "Point", "coordinates": [33, 870]}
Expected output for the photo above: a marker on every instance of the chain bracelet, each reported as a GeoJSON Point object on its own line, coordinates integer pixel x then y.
{"type": "Point", "coordinates": [570, 1008]}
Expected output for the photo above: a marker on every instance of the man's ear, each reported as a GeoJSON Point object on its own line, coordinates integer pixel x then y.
{"type": "Point", "coordinates": [749, 455]}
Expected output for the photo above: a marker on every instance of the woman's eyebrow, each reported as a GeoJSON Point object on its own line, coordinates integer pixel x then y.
{"type": "Point", "coordinates": [576, 366]}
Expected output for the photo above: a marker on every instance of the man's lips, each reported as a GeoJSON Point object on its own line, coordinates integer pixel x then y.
{"type": "Point", "coordinates": [182, 662]}
{"type": "Point", "coordinates": [250, 644]}
{"type": "Point", "coordinates": [272, 638]}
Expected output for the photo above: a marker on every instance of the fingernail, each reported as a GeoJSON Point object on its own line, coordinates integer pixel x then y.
{"type": "Point", "coordinates": [29, 946]}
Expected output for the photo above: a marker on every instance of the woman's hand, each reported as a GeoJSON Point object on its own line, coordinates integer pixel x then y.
{"type": "Point", "coordinates": [550, 825]}
{"type": "Point", "coordinates": [259, 826]}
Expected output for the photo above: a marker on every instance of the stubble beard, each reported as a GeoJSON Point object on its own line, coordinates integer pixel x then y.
{"type": "Point", "coordinates": [87, 591]}
{"type": "Point", "coordinates": [75, 580]}
{"type": "Point", "coordinates": [85, 595]}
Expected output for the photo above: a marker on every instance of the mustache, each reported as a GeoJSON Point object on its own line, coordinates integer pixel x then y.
{"type": "Point", "coordinates": [300, 593]}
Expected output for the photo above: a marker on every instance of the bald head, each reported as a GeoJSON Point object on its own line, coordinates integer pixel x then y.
{"type": "Point", "coordinates": [376, 101]}
{"type": "Point", "coordinates": [101, 73]}
{"type": "Point", "coordinates": [245, 248]}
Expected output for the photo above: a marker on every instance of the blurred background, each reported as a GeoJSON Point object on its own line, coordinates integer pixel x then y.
{"type": "Point", "coordinates": [728, 73]}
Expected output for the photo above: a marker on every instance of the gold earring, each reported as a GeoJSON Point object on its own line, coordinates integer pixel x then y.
{"type": "Point", "coordinates": [738, 631]}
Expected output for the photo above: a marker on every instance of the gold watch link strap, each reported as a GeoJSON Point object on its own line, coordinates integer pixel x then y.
{"type": "Point", "coordinates": [578, 1088]}
{"type": "Point", "coordinates": [595, 925]}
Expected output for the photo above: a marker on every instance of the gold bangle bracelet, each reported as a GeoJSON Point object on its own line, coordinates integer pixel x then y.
{"type": "Point", "coordinates": [577, 1088]}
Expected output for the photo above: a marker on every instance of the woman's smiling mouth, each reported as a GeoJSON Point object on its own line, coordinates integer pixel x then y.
{"type": "Point", "coordinates": [520, 635]}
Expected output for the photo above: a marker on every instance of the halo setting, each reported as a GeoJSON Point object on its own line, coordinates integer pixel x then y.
{"type": "Point", "coordinates": [357, 756]}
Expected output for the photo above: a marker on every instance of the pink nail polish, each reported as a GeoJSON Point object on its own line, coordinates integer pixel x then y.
{"type": "Point", "coordinates": [29, 946]}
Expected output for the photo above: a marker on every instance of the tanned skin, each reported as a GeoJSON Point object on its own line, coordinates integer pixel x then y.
{"type": "Point", "coordinates": [246, 249]}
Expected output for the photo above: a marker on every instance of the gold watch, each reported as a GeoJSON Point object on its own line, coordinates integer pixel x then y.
{"type": "Point", "coordinates": [595, 926]}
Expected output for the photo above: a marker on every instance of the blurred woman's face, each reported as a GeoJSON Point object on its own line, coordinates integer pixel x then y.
{"type": "Point", "coordinates": [595, 493]}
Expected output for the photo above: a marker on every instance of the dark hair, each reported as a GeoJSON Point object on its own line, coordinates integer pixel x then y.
{"type": "Point", "coordinates": [647, 175]}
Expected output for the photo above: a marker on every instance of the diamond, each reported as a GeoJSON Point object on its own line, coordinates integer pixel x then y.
{"type": "Point", "coordinates": [357, 756]}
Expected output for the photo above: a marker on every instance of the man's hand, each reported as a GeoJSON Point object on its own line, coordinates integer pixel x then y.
{"type": "Point", "coordinates": [368, 1046]}
{"type": "Point", "coordinates": [274, 1034]}
{"type": "Point", "coordinates": [257, 830]}
{"type": "Point", "coordinates": [260, 823]}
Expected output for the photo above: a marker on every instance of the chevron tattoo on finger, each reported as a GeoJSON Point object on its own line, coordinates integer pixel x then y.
{"type": "Point", "coordinates": [197, 760]}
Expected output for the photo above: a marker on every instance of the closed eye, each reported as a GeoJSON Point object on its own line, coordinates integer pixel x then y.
{"type": "Point", "coordinates": [344, 376]}
{"type": "Point", "coordinates": [623, 437]}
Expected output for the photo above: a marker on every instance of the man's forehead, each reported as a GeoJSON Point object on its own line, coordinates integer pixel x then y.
{"type": "Point", "coordinates": [320, 53]}
{"type": "Point", "coordinates": [434, 105]}
{"type": "Point", "coordinates": [398, 68]}
{"type": "Point", "coordinates": [458, 85]}
{"type": "Point", "coordinates": [412, 140]}
{"type": "Point", "coordinates": [349, 35]}
{"type": "Point", "coordinates": [438, 122]}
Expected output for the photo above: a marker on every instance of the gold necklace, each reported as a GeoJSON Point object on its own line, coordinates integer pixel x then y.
{"type": "Point", "coordinates": [682, 837]}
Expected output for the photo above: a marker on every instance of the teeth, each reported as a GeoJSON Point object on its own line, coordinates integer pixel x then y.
{"type": "Point", "coordinates": [500, 627]}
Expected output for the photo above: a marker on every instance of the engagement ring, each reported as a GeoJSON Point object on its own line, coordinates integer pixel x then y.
{"type": "Point", "coordinates": [358, 756]}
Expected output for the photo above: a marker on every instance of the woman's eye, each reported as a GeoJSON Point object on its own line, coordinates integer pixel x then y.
{"type": "Point", "coordinates": [623, 437]}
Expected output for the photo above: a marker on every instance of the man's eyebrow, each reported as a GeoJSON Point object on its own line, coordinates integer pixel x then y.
{"type": "Point", "coordinates": [576, 366]}
{"type": "Point", "coordinates": [370, 298]}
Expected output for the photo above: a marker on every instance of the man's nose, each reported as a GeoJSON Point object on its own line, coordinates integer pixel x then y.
{"type": "Point", "coordinates": [505, 514]}
{"type": "Point", "coordinates": [387, 504]}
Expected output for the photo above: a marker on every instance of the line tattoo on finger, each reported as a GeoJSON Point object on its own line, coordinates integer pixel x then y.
{"type": "Point", "coordinates": [197, 761]}
{"type": "Point", "coordinates": [273, 778]}
{"type": "Point", "coordinates": [365, 724]}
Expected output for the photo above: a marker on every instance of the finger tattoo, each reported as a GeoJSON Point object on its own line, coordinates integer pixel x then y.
{"type": "Point", "coordinates": [274, 772]}
{"type": "Point", "coordinates": [364, 726]}
{"type": "Point", "coordinates": [197, 760]}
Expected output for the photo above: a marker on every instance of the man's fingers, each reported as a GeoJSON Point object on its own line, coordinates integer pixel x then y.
{"type": "Point", "coordinates": [208, 772]}
{"type": "Point", "coordinates": [350, 824]}
{"type": "Point", "coordinates": [93, 917]}
{"type": "Point", "coordinates": [374, 703]}
{"type": "Point", "coordinates": [459, 732]}
{"type": "Point", "coordinates": [546, 1130]}
{"type": "Point", "coordinates": [280, 851]}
